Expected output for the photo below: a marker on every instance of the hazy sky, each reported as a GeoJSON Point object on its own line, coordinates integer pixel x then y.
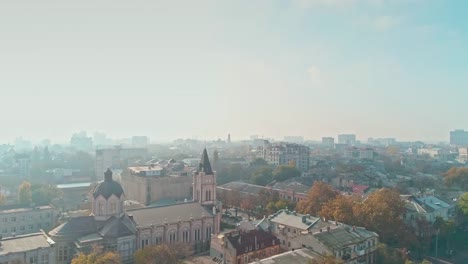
{"type": "Point", "coordinates": [173, 68]}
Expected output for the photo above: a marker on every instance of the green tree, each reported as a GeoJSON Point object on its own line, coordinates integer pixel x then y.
{"type": "Point", "coordinates": [44, 194]}
{"type": "Point", "coordinates": [24, 193]}
{"type": "Point", "coordinates": [262, 176]}
{"type": "Point", "coordinates": [285, 172]}
{"type": "Point", "coordinates": [463, 203]}
{"type": "Point", "coordinates": [387, 255]}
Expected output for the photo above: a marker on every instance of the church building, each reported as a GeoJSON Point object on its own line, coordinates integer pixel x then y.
{"type": "Point", "coordinates": [110, 226]}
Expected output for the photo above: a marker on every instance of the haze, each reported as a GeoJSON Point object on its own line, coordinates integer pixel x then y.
{"type": "Point", "coordinates": [170, 69]}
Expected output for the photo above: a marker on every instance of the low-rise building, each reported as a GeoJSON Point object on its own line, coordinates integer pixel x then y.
{"type": "Point", "coordinates": [30, 248]}
{"type": "Point", "coordinates": [244, 247]}
{"type": "Point", "coordinates": [426, 208]}
{"type": "Point", "coordinates": [19, 220]}
{"type": "Point", "coordinates": [352, 245]}
{"type": "Point", "coordinates": [300, 256]}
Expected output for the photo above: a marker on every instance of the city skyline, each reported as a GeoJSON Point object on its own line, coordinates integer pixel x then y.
{"type": "Point", "coordinates": [180, 69]}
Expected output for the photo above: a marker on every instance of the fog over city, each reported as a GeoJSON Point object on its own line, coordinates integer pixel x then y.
{"type": "Point", "coordinates": [233, 132]}
{"type": "Point", "coordinates": [376, 68]}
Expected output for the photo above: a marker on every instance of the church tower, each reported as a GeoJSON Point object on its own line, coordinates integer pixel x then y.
{"type": "Point", "coordinates": [204, 182]}
{"type": "Point", "coordinates": [108, 198]}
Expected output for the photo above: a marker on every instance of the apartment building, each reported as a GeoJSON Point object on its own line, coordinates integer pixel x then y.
{"type": "Point", "coordinates": [285, 154]}
{"type": "Point", "coordinates": [16, 220]}
{"type": "Point", "coordinates": [31, 248]}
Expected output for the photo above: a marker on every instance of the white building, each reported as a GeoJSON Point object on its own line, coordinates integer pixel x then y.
{"type": "Point", "coordinates": [18, 220]}
{"type": "Point", "coordinates": [32, 248]}
{"type": "Point", "coordinates": [462, 155]}
{"type": "Point", "coordinates": [115, 158]}
{"type": "Point", "coordinates": [285, 153]}
{"type": "Point", "coordinates": [348, 139]}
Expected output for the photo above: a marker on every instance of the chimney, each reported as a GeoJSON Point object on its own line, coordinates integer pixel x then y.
{"type": "Point", "coordinates": [328, 228]}
{"type": "Point", "coordinates": [304, 219]}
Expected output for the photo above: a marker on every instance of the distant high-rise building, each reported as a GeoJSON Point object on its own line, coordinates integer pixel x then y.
{"type": "Point", "coordinates": [348, 139]}
{"type": "Point", "coordinates": [459, 137]}
{"type": "Point", "coordinates": [328, 142]}
{"type": "Point", "coordinates": [285, 153]}
{"type": "Point", "coordinates": [294, 139]}
{"type": "Point", "coordinates": [140, 141]}
{"type": "Point", "coordinates": [115, 158]}
{"type": "Point", "coordinates": [229, 139]}
{"type": "Point", "coordinates": [81, 141]}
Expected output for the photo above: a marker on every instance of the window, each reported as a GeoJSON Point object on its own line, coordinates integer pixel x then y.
{"type": "Point", "coordinates": [197, 234]}
{"type": "Point", "coordinates": [159, 240]}
{"type": "Point", "coordinates": [208, 232]}
{"type": "Point", "coordinates": [185, 236]}
{"type": "Point", "coordinates": [284, 243]}
{"type": "Point", "coordinates": [31, 227]}
{"type": "Point", "coordinates": [13, 219]}
{"type": "Point", "coordinates": [113, 208]}
{"type": "Point", "coordinates": [13, 229]}
{"type": "Point", "coordinates": [44, 259]}
{"type": "Point", "coordinates": [22, 228]}
{"type": "Point", "coordinates": [172, 238]}
{"type": "Point", "coordinates": [144, 242]}
{"type": "Point", "coordinates": [33, 260]}
{"type": "Point", "coordinates": [4, 220]}
{"type": "Point", "coordinates": [289, 244]}
{"type": "Point", "coordinates": [63, 253]}
{"type": "Point", "coordinates": [100, 208]}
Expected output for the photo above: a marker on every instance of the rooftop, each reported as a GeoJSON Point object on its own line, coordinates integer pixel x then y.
{"type": "Point", "coordinates": [73, 185]}
{"type": "Point", "coordinates": [343, 235]}
{"type": "Point", "coordinates": [293, 219]}
{"type": "Point", "coordinates": [300, 256]}
{"type": "Point", "coordinates": [433, 203]}
{"type": "Point", "coordinates": [25, 243]}
{"type": "Point", "coordinates": [252, 240]}
{"type": "Point", "coordinates": [170, 213]}
{"type": "Point", "coordinates": [16, 208]}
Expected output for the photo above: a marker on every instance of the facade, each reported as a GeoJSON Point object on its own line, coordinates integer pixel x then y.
{"type": "Point", "coordinates": [31, 248]}
{"type": "Point", "coordinates": [115, 158]}
{"type": "Point", "coordinates": [244, 247]}
{"type": "Point", "coordinates": [140, 141]}
{"type": "Point", "coordinates": [328, 142]}
{"type": "Point", "coordinates": [17, 220]}
{"type": "Point", "coordinates": [347, 139]}
{"type": "Point", "coordinates": [352, 245]}
{"type": "Point", "coordinates": [462, 155]}
{"type": "Point", "coordinates": [285, 154]}
{"type": "Point", "coordinates": [426, 208]}
{"type": "Point", "coordinates": [110, 226]}
{"type": "Point", "coordinates": [431, 152]}
{"type": "Point", "coordinates": [152, 183]}
{"type": "Point", "coordinates": [289, 190]}
{"type": "Point", "coordinates": [459, 137]}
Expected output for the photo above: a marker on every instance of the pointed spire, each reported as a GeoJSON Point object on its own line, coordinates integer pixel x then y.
{"type": "Point", "coordinates": [205, 165]}
{"type": "Point", "coordinates": [108, 175]}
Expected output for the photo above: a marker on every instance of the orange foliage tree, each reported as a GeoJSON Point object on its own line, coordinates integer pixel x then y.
{"type": "Point", "coordinates": [339, 209]}
{"type": "Point", "coordinates": [319, 194]}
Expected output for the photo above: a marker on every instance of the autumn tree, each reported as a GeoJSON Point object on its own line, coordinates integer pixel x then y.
{"type": "Point", "coordinates": [97, 256]}
{"type": "Point", "coordinates": [319, 194]}
{"type": "Point", "coordinates": [285, 172]}
{"type": "Point", "coordinates": [339, 209]}
{"type": "Point", "coordinates": [161, 254]}
{"type": "Point", "coordinates": [382, 212]}
{"type": "Point", "coordinates": [2, 199]}
{"type": "Point", "coordinates": [24, 193]}
{"type": "Point", "coordinates": [457, 177]}
{"type": "Point", "coordinates": [248, 204]}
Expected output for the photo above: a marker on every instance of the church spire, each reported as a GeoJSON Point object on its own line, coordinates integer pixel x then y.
{"type": "Point", "coordinates": [205, 165]}
{"type": "Point", "coordinates": [108, 175]}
